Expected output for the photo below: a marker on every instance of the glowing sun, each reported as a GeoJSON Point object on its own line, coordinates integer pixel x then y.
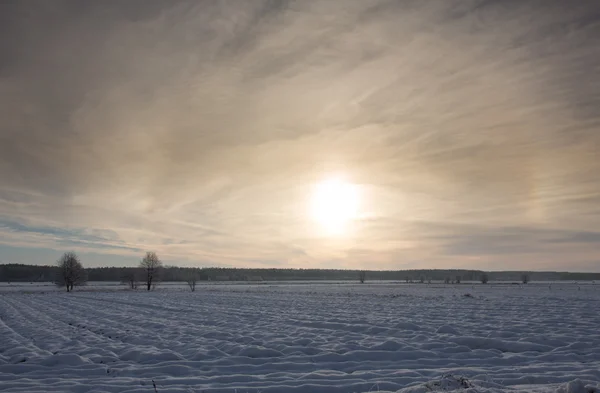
{"type": "Point", "coordinates": [334, 204]}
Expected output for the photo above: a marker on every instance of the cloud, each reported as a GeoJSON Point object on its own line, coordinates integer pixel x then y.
{"type": "Point", "coordinates": [195, 128]}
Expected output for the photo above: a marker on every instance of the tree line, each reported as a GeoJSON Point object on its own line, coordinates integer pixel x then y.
{"type": "Point", "coordinates": [134, 275]}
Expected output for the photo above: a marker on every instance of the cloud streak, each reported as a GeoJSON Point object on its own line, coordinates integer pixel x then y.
{"type": "Point", "coordinates": [196, 128]}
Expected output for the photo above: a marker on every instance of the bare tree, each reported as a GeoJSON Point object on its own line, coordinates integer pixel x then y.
{"type": "Point", "coordinates": [458, 278]}
{"type": "Point", "coordinates": [362, 276]}
{"type": "Point", "coordinates": [70, 271]}
{"type": "Point", "coordinates": [191, 279]}
{"type": "Point", "coordinates": [525, 278]}
{"type": "Point", "coordinates": [150, 266]}
{"type": "Point", "coordinates": [130, 277]}
{"type": "Point", "coordinates": [484, 278]}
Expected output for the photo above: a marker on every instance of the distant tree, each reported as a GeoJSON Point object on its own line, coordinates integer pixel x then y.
{"type": "Point", "coordinates": [484, 278]}
{"type": "Point", "coordinates": [407, 279]}
{"type": "Point", "coordinates": [70, 271]}
{"type": "Point", "coordinates": [525, 278]}
{"type": "Point", "coordinates": [191, 279]}
{"type": "Point", "coordinates": [151, 266]}
{"type": "Point", "coordinates": [362, 275]}
{"type": "Point", "coordinates": [130, 277]}
{"type": "Point", "coordinates": [458, 278]}
{"type": "Point", "coordinates": [422, 280]}
{"type": "Point", "coordinates": [447, 280]}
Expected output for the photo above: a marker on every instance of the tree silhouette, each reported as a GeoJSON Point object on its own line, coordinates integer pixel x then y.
{"type": "Point", "coordinates": [151, 266]}
{"type": "Point", "coordinates": [484, 278]}
{"type": "Point", "coordinates": [130, 277]}
{"type": "Point", "coordinates": [70, 271]}
{"type": "Point", "coordinates": [362, 275]}
{"type": "Point", "coordinates": [191, 279]}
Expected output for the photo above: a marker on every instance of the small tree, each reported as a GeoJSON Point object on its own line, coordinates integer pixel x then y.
{"type": "Point", "coordinates": [484, 278]}
{"type": "Point", "coordinates": [191, 279]}
{"type": "Point", "coordinates": [458, 278]}
{"type": "Point", "coordinates": [150, 266]}
{"type": "Point", "coordinates": [362, 275]}
{"type": "Point", "coordinates": [130, 277]}
{"type": "Point", "coordinates": [70, 271]}
{"type": "Point", "coordinates": [525, 278]}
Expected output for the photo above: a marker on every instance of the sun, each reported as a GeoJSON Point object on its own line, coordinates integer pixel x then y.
{"type": "Point", "coordinates": [334, 205]}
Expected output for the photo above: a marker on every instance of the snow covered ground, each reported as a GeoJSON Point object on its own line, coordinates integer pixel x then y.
{"type": "Point", "coordinates": [302, 338]}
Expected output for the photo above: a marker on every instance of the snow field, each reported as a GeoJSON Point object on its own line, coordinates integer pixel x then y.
{"type": "Point", "coordinates": [303, 338]}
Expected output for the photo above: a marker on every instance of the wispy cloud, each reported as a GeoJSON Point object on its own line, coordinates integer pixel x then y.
{"type": "Point", "coordinates": [195, 129]}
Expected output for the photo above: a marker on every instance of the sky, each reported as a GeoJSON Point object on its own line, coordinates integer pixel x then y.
{"type": "Point", "coordinates": [468, 132]}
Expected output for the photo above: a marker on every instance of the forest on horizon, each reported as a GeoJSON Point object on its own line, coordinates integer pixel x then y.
{"type": "Point", "coordinates": [38, 273]}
